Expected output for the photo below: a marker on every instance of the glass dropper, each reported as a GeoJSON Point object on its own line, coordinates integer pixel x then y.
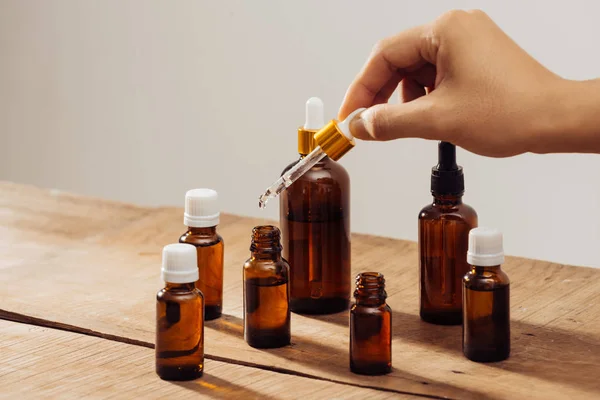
{"type": "Point", "coordinates": [333, 140]}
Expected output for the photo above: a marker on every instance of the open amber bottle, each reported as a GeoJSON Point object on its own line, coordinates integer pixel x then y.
{"type": "Point", "coordinates": [370, 327]}
{"type": "Point", "coordinates": [266, 291]}
{"type": "Point", "coordinates": [202, 217]}
{"type": "Point", "coordinates": [179, 317]}
{"type": "Point", "coordinates": [444, 229]}
{"type": "Point", "coordinates": [315, 226]}
{"type": "Point", "coordinates": [486, 299]}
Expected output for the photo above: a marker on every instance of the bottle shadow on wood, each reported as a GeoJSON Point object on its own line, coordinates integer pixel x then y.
{"type": "Point", "coordinates": [333, 360]}
{"type": "Point", "coordinates": [552, 354]}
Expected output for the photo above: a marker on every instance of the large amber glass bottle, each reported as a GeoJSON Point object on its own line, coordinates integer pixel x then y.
{"type": "Point", "coordinates": [444, 229]}
{"type": "Point", "coordinates": [315, 226]}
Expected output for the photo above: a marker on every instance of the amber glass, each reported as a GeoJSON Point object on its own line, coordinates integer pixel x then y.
{"type": "Point", "coordinates": [210, 248]}
{"type": "Point", "coordinates": [443, 243]}
{"type": "Point", "coordinates": [315, 226]}
{"type": "Point", "coordinates": [266, 291]}
{"type": "Point", "coordinates": [179, 332]}
{"type": "Point", "coordinates": [486, 314]}
{"type": "Point", "coordinates": [370, 327]}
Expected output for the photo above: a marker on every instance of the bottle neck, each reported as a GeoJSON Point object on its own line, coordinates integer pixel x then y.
{"type": "Point", "coordinates": [370, 289]}
{"type": "Point", "coordinates": [265, 256]}
{"type": "Point", "coordinates": [265, 243]}
{"type": "Point", "coordinates": [204, 231]}
{"type": "Point", "coordinates": [447, 199]}
{"type": "Point", "coordinates": [180, 287]}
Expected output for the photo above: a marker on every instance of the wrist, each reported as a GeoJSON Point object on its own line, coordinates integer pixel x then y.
{"type": "Point", "coordinates": [569, 118]}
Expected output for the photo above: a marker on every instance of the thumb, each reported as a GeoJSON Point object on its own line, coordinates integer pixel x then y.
{"type": "Point", "coordinates": [415, 119]}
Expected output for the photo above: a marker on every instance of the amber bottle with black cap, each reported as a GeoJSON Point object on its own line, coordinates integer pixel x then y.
{"type": "Point", "coordinates": [315, 227]}
{"type": "Point", "coordinates": [444, 229]}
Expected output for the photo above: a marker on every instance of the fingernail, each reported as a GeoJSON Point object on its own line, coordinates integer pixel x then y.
{"type": "Point", "coordinates": [358, 128]}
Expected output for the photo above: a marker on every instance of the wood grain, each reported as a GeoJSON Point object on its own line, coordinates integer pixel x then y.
{"type": "Point", "coordinates": [37, 362]}
{"type": "Point", "coordinates": [94, 264]}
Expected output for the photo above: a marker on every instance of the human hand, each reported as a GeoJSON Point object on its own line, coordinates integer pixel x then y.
{"type": "Point", "coordinates": [463, 80]}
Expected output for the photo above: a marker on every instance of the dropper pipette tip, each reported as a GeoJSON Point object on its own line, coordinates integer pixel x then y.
{"type": "Point", "coordinates": [263, 199]}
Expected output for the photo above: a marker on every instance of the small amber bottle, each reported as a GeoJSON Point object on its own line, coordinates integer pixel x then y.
{"type": "Point", "coordinates": [266, 291]}
{"type": "Point", "coordinates": [315, 226]}
{"type": "Point", "coordinates": [444, 229]}
{"type": "Point", "coordinates": [486, 299]}
{"type": "Point", "coordinates": [202, 217]}
{"type": "Point", "coordinates": [370, 327]}
{"type": "Point", "coordinates": [179, 317]}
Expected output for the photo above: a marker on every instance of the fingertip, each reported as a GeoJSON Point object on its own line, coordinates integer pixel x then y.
{"type": "Point", "coordinates": [358, 128]}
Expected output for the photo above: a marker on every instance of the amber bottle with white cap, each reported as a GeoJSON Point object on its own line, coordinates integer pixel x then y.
{"type": "Point", "coordinates": [315, 227]}
{"type": "Point", "coordinates": [202, 217]}
{"type": "Point", "coordinates": [179, 316]}
{"type": "Point", "coordinates": [486, 299]}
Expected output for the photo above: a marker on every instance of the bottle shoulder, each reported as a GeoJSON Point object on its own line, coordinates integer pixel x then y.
{"type": "Point", "coordinates": [370, 309]}
{"type": "Point", "coordinates": [460, 211]}
{"type": "Point", "coordinates": [289, 166]}
{"type": "Point", "coordinates": [467, 210]}
{"type": "Point", "coordinates": [489, 279]}
{"type": "Point", "coordinates": [179, 296]}
{"type": "Point", "coordinates": [201, 240]}
{"type": "Point", "coordinates": [266, 268]}
{"type": "Point", "coordinates": [253, 263]}
{"type": "Point", "coordinates": [325, 171]}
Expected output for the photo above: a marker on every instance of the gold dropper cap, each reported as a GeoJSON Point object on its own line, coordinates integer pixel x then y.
{"type": "Point", "coordinates": [333, 142]}
{"type": "Point", "coordinates": [306, 140]}
{"type": "Point", "coordinates": [335, 138]}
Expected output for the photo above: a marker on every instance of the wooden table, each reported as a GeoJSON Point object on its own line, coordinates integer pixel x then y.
{"type": "Point", "coordinates": [79, 276]}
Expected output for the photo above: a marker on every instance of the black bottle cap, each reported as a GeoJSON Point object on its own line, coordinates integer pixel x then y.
{"type": "Point", "coordinates": [446, 177]}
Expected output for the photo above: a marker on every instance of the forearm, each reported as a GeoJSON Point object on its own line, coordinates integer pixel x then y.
{"type": "Point", "coordinates": [571, 121]}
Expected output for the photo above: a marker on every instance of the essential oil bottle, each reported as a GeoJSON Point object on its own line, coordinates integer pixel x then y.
{"type": "Point", "coordinates": [370, 327]}
{"type": "Point", "coordinates": [202, 217]}
{"type": "Point", "coordinates": [444, 229]}
{"type": "Point", "coordinates": [179, 317]}
{"type": "Point", "coordinates": [266, 291]}
{"type": "Point", "coordinates": [486, 299]}
{"type": "Point", "coordinates": [315, 226]}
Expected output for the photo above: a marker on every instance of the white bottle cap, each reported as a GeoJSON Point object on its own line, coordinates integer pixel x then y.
{"type": "Point", "coordinates": [344, 126]}
{"type": "Point", "coordinates": [201, 208]}
{"type": "Point", "coordinates": [179, 263]}
{"type": "Point", "coordinates": [485, 247]}
{"type": "Point", "coordinates": [315, 114]}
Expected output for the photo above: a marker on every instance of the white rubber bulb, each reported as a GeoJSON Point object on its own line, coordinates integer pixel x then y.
{"type": "Point", "coordinates": [315, 115]}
